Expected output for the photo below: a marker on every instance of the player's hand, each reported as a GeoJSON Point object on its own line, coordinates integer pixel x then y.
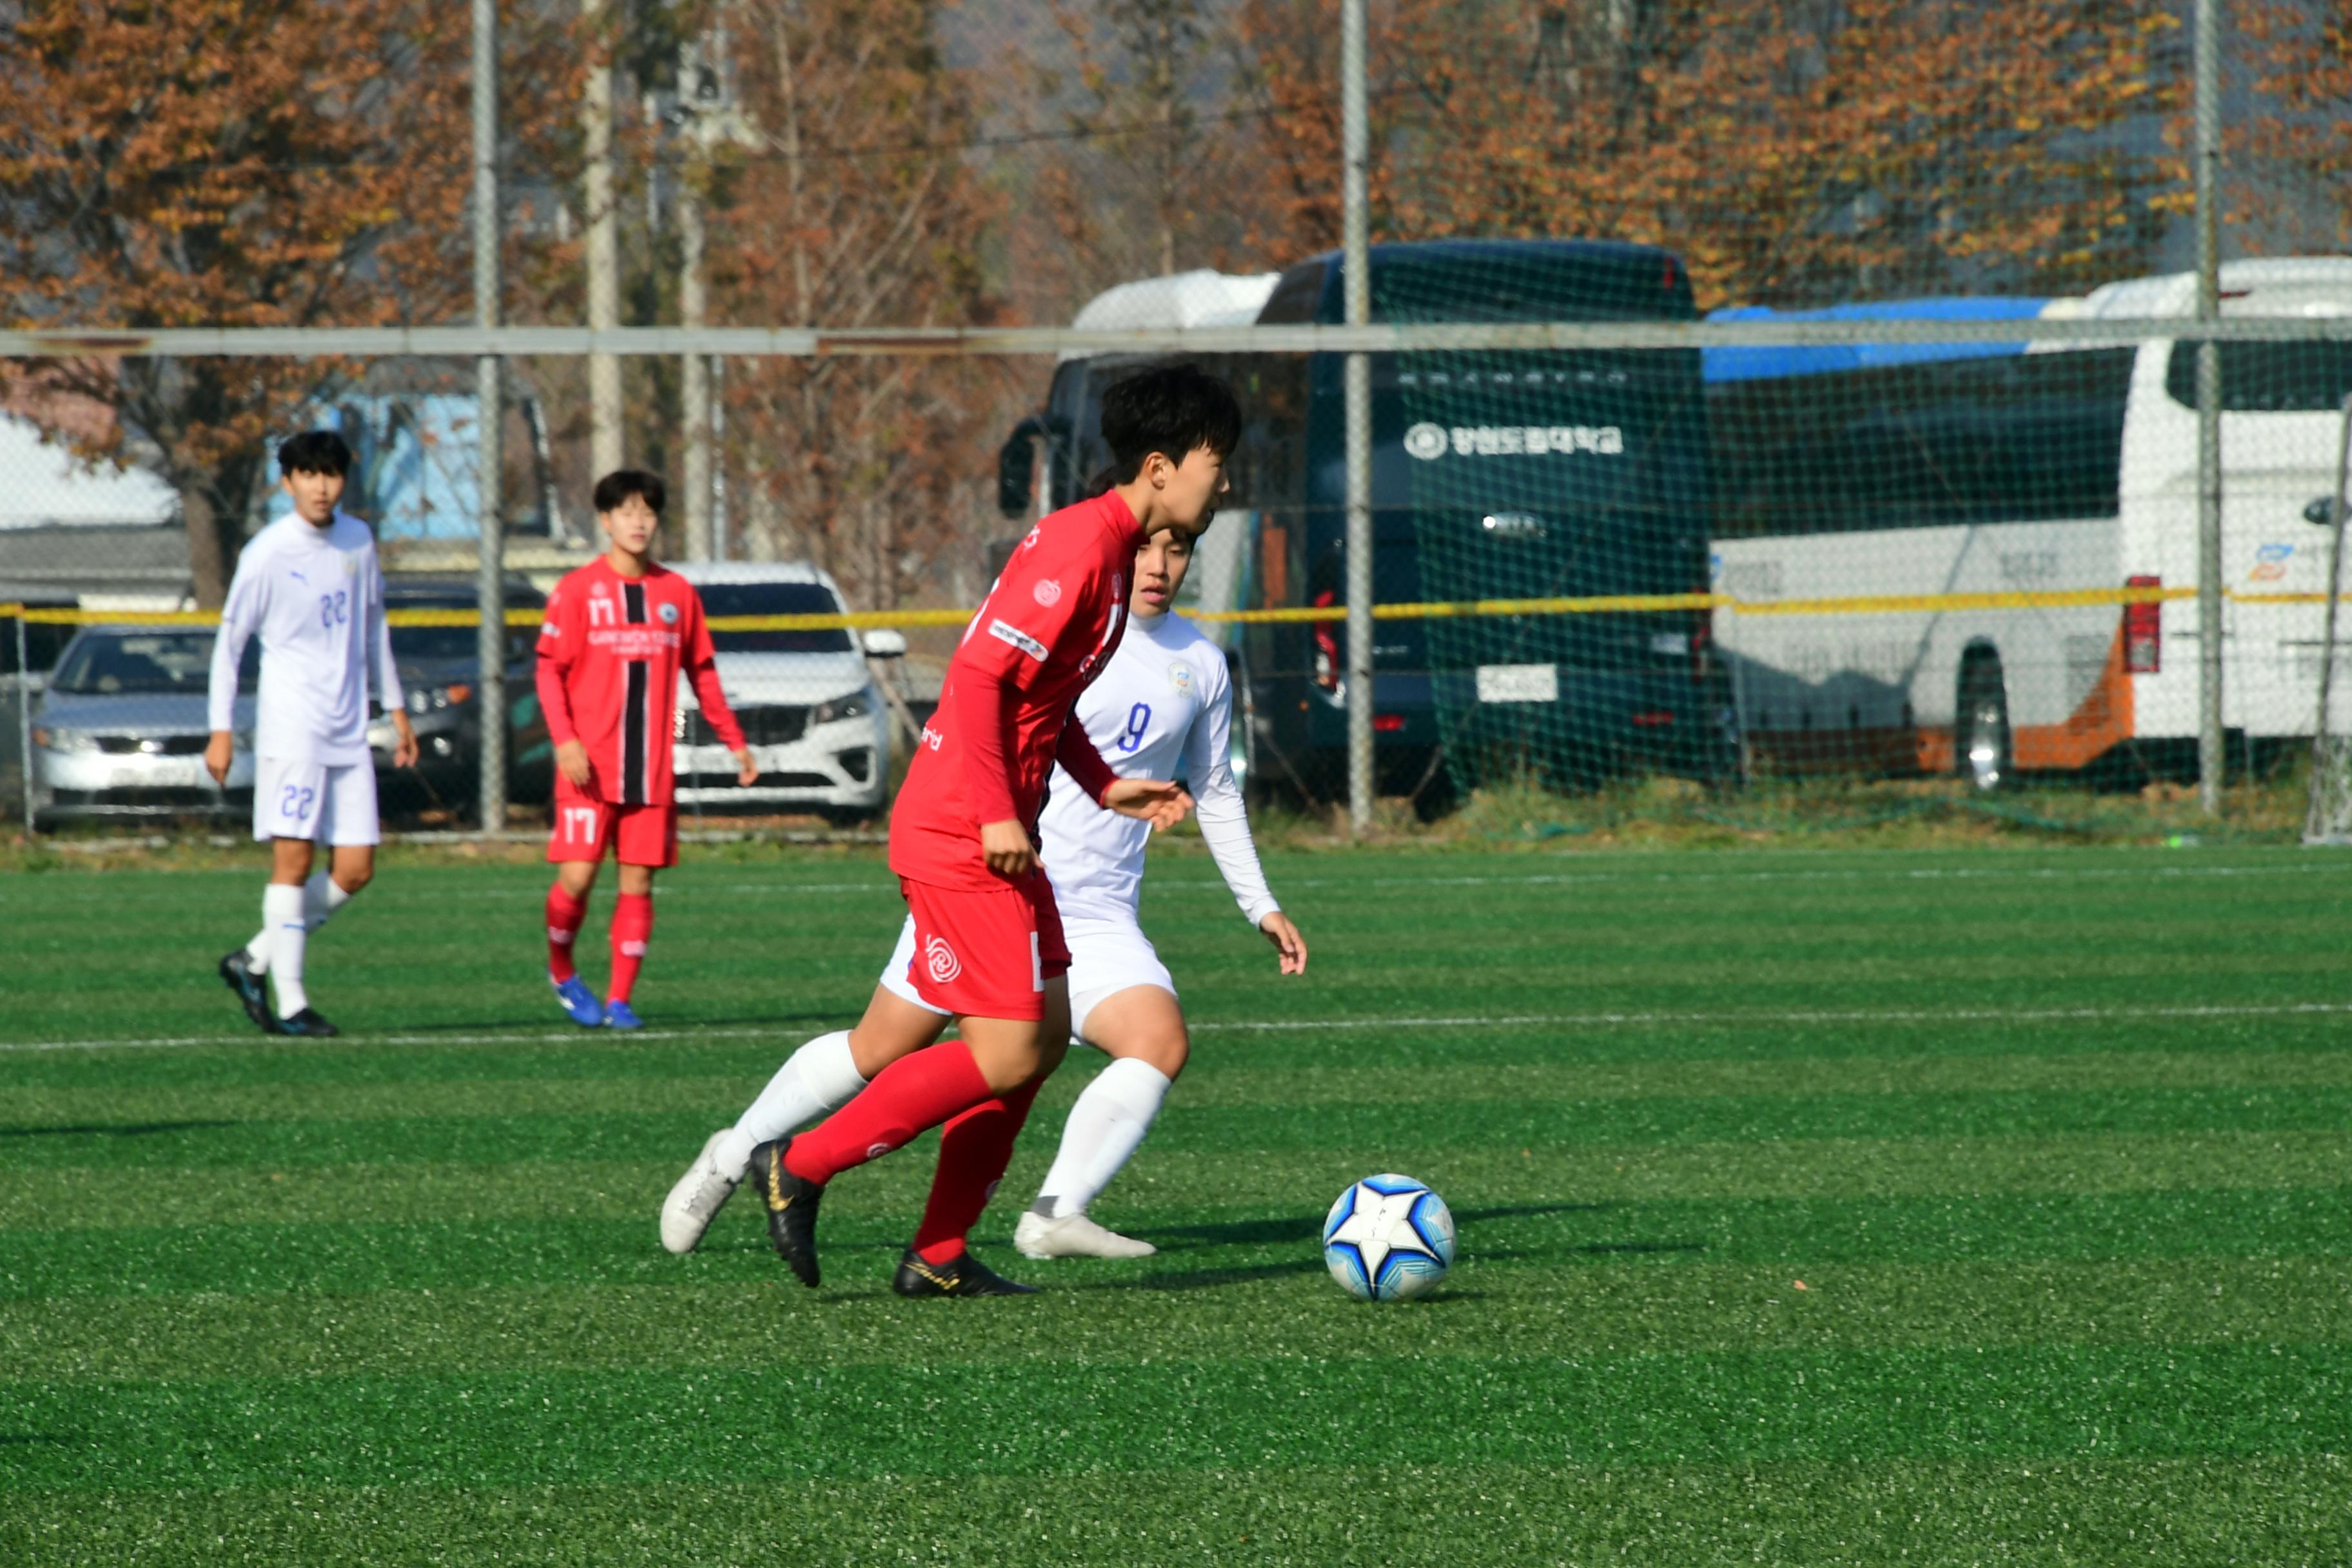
{"type": "Point", "coordinates": [571, 762]}
{"type": "Point", "coordinates": [1155, 801]}
{"type": "Point", "coordinates": [403, 746]}
{"type": "Point", "coordinates": [747, 772]}
{"type": "Point", "coordinates": [1005, 846]}
{"type": "Point", "coordinates": [1286, 941]}
{"type": "Point", "coordinates": [219, 752]}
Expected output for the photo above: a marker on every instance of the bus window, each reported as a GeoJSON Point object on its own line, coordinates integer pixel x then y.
{"type": "Point", "coordinates": [2268, 378]}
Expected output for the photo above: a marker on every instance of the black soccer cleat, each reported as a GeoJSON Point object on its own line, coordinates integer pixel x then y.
{"type": "Point", "coordinates": [963, 1276]}
{"type": "Point", "coordinates": [791, 1209]}
{"type": "Point", "coordinates": [251, 989]}
{"type": "Point", "coordinates": [308, 1025]}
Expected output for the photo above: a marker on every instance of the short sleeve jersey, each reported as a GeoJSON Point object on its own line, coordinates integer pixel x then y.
{"type": "Point", "coordinates": [315, 598]}
{"type": "Point", "coordinates": [1049, 627]}
{"type": "Point", "coordinates": [618, 644]}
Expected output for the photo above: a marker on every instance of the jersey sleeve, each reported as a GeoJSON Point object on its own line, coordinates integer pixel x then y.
{"type": "Point", "coordinates": [379, 640]}
{"type": "Point", "coordinates": [558, 645]}
{"type": "Point", "coordinates": [1039, 612]}
{"type": "Point", "coordinates": [1218, 807]}
{"type": "Point", "coordinates": [248, 592]}
{"type": "Point", "coordinates": [701, 658]}
{"type": "Point", "coordinates": [1075, 752]}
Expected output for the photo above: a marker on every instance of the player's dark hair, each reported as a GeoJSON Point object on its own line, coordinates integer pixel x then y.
{"type": "Point", "coordinates": [314, 452]}
{"type": "Point", "coordinates": [619, 484]}
{"type": "Point", "coordinates": [1171, 409]}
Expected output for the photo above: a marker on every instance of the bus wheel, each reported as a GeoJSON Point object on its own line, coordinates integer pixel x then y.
{"type": "Point", "coordinates": [1980, 736]}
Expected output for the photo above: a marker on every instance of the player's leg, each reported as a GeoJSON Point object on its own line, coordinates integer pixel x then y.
{"type": "Point", "coordinates": [346, 823]}
{"type": "Point", "coordinates": [1141, 1028]}
{"type": "Point", "coordinates": [646, 841]}
{"type": "Point", "coordinates": [986, 956]}
{"type": "Point", "coordinates": [578, 833]}
{"type": "Point", "coordinates": [821, 1077]}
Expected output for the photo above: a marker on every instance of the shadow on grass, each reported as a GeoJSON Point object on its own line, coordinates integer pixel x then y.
{"type": "Point", "coordinates": [1301, 1228]}
{"type": "Point", "coordinates": [113, 1129]}
{"type": "Point", "coordinates": [540, 1023]}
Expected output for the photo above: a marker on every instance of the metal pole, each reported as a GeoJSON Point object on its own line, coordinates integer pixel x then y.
{"type": "Point", "coordinates": [2210, 759]}
{"type": "Point", "coordinates": [603, 247]}
{"type": "Point", "coordinates": [1357, 275]}
{"type": "Point", "coordinates": [695, 368]}
{"type": "Point", "coordinates": [24, 718]}
{"type": "Point", "coordinates": [2316, 817]}
{"type": "Point", "coordinates": [490, 641]}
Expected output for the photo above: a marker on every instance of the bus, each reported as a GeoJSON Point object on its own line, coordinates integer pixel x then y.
{"type": "Point", "coordinates": [1522, 475]}
{"type": "Point", "coordinates": [2000, 472]}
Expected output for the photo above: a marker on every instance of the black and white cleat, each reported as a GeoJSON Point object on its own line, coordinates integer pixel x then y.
{"type": "Point", "coordinates": [251, 989]}
{"type": "Point", "coordinates": [309, 1025]}
{"type": "Point", "coordinates": [965, 1276]}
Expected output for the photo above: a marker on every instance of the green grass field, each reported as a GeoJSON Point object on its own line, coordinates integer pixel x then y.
{"type": "Point", "coordinates": [1957, 1207]}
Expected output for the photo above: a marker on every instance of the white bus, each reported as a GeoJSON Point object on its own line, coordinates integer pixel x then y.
{"type": "Point", "coordinates": [1987, 470]}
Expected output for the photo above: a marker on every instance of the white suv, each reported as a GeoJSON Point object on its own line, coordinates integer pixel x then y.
{"type": "Point", "coordinates": [807, 702]}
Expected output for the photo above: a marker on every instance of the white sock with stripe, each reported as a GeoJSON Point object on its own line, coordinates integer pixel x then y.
{"type": "Point", "coordinates": [282, 919]}
{"type": "Point", "coordinates": [322, 897]}
{"type": "Point", "coordinates": [1104, 1127]}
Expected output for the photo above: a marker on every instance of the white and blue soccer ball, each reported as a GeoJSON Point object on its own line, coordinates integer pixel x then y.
{"type": "Point", "coordinates": [1387, 1238]}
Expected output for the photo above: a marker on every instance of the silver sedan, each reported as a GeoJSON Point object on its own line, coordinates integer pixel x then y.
{"type": "Point", "coordinates": [121, 729]}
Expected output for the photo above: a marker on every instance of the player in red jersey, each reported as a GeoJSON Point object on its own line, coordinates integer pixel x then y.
{"type": "Point", "coordinates": [617, 633]}
{"type": "Point", "coordinates": [988, 940]}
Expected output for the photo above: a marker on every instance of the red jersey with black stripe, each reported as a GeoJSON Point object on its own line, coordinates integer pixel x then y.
{"type": "Point", "coordinates": [1048, 628]}
{"type": "Point", "coordinates": [611, 650]}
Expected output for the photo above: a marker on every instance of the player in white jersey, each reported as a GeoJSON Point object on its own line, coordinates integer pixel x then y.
{"type": "Point", "coordinates": [1166, 698]}
{"type": "Point", "coordinates": [309, 586]}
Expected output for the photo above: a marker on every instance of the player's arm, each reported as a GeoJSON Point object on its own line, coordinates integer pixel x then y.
{"type": "Point", "coordinates": [1160, 804]}
{"type": "Point", "coordinates": [240, 617]}
{"type": "Point", "coordinates": [387, 672]}
{"type": "Point", "coordinates": [558, 647]}
{"type": "Point", "coordinates": [702, 671]}
{"type": "Point", "coordinates": [1224, 825]}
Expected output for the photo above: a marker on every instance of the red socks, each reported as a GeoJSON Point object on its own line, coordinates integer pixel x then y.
{"type": "Point", "coordinates": [633, 922]}
{"type": "Point", "coordinates": [564, 914]}
{"type": "Point", "coordinates": [975, 1150]}
{"type": "Point", "coordinates": [912, 1094]}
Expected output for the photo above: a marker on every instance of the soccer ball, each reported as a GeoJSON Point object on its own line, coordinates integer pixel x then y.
{"type": "Point", "coordinates": [1388, 1238]}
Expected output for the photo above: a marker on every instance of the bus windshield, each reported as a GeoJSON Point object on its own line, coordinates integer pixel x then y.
{"type": "Point", "coordinates": [727, 599]}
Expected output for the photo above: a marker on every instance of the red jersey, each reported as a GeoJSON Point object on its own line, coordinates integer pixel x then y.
{"type": "Point", "coordinates": [610, 650]}
{"type": "Point", "coordinates": [1048, 628]}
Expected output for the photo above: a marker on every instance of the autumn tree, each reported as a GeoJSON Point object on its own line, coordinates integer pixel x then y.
{"type": "Point", "coordinates": [2291, 185]}
{"type": "Point", "coordinates": [235, 163]}
{"type": "Point", "coordinates": [860, 208]}
{"type": "Point", "coordinates": [1793, 151]}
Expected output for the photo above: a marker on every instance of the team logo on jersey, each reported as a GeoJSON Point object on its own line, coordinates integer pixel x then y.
{"type": "Point", "coordinates": [1179, 676]}
{"type": "Point", "coordinates": [942, 960]}
{"type": "Point", "coordinates": [1047, 592]}
{"type": "Point", "coordinates": [669, 614]}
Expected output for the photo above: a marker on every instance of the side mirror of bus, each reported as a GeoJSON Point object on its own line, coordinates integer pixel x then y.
{"type": "Point", "coordinates": [883, 643]}
{"type": "Point", "coordinates": [2321, 511]}
{"type": "Point", "coordinates": [1016, 468]}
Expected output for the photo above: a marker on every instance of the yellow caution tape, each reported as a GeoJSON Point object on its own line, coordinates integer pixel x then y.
{"type": "Point", "coordinates": [1596, 605]}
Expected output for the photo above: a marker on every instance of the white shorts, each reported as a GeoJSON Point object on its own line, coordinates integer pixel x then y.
{"type": "Point", "coordinates": [311, 800]}
{"type": "Point", "coordinates": [1109, 953]}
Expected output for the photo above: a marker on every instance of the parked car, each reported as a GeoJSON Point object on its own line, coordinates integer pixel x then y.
{"type": "Point", "coordinates": [121, 729]}
{"type": "Point", "coordinates": [816, 720]}
{"type": "Point", "coordinates": [440, 676]}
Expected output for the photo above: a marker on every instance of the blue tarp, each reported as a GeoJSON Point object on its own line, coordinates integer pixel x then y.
{"type": "Point", "coordinates": [1764, 361]}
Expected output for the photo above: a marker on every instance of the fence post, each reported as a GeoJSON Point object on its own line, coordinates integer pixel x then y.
{"type": "Point", "coordinates": [1356, 268]}
{"type": "Point", "coordinates": [2210, 758]}
{"type": "Point", "coordinates": [491, 640]}
{"type": "Point", "coordinates": [24, 718]}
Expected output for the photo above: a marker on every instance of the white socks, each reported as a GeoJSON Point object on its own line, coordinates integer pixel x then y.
{"type": "Point", "coordinates": [282, 921]}
{"type": "Point", "coordinates": [322, 897]}
{"type": "Point", "coordinates": [288, 916]}
{"type": "Point", "coordinates": [820, 1077]}
{"type": "Point", "coordinates": [1104, 1126]}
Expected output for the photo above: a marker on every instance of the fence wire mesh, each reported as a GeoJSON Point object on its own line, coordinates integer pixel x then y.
{"type": "Point", "coordinates": [1728, 561]}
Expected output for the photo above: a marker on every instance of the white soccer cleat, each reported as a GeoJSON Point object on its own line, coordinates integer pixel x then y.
{"type": "Point", "coordinates": [697, 1199]}
{"type": "Point", "coordinates": [1073, 1236]}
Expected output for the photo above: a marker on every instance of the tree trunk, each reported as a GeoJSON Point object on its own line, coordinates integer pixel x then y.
{"type": "Point", "coordinates": [211, 551]}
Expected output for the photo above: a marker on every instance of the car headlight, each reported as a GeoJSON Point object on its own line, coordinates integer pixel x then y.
{"type": "Point", "coordinates": [50, 740]}
{"type": "Point", "coordinates": [857, 705]}
{"type": "Point", "coordinates": [428, 699]}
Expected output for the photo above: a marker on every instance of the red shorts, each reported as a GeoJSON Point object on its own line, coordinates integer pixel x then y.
{"type": "Point", "coordinates": [986, 953]}
{"type": "Point", "coordinates": [585, 828]}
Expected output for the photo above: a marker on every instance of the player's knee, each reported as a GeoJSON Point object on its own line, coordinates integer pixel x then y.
{"type": "Point", "coordinates": [351, 878]}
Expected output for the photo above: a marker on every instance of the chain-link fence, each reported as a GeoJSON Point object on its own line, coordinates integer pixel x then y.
{"type": "Point", "coordinates": [1851, 426]}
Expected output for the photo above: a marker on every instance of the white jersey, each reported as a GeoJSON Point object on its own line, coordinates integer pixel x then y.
{"type": "Point", "coordinates": [315, 597]}
{"type": "Point", "coordinates": [1163, 709]}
